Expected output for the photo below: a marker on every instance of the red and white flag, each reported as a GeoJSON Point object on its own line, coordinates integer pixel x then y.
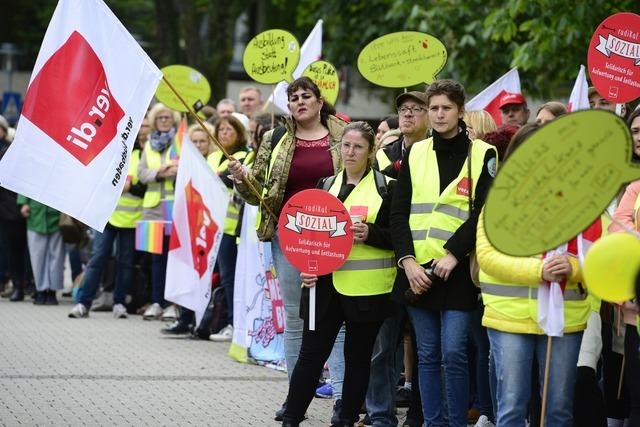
{"type": "Point", "coordinates": [579, 99]}
{"type": "Point", "coordinates": [89, 91]}
{"type": "Point", "coordinates": [310, 51]}
{"type": "Point", "coordinates": [489, 99]}
{"type": "Point", "coordinates": [199, 211]}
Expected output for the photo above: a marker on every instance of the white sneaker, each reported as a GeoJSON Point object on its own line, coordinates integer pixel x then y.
{"type": "Point", "coordinates": [483, 421]}
{"type": "Point", "coordinates": [169, 314]}
{"type": "Point", "coordinates": [119, 311]}
{"type": "Point", "coordinates": [103, 303]}
{"type": "Point", "coordinates": [78, 311]}
{"type": "Point", "coordinates": [225, 334]}
{"type": "Point", "coordinates": [153, 312]}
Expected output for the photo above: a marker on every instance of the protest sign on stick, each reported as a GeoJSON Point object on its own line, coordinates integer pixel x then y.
{"type": "Point", "coordinates": [402, 59]}
{"type": "Point", "coordinates": [325, 76]}
{"type": "Point", "coordinates": [271, 56]}
{"type": "Point", "coordinates": [189, 82]}
{"type": "Point", "coordinates": [315, 236]}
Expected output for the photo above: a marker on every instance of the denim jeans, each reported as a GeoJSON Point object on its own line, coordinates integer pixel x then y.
{"type": "Point", "coordinates": [442, 337]}
{"type": "Point", "coordinates": [159, 273]}
{"type": "Point", "coordinates": [289, 279]}
{"type": "Point", "coordinates": [480, 341]}
{"type": "Point", "coordinates": [102, 249]}
{"type": "Point", "coordinates": [513, 355]}
{"type": "Point", "coordinates": [227, 255]}
{"type": "Point", "coordinates": [381, 394]}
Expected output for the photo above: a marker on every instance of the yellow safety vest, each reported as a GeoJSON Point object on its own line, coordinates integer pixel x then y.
{"type": "Point", "coordinates": [368, 270]}
{"type": "Point", "coordinates": [435, 217]}
{"type": "Point", "coordinates": [383, 160]}
{"type": "Point", "coordinates": [129, 208]}
{"type": "Point", "coordinates": [157, 190]}
{"type": "Point", "coordinates": [513, 307]}
{"type": "Point", "coordinates": [272, 160]}
{"type": "Point", "coordinates": [218, 165]}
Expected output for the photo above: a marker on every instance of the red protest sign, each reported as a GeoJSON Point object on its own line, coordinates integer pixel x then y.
{"type": "Point", "coordinates": [315, 232]}
{"type": "Point", "coordinates": [614, 57]}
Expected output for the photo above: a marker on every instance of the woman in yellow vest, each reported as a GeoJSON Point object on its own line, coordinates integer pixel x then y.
{"type": "Point", "coordinates": [510, 288]}
{"type": "Point", "coordinates": [358, 293]}
{"type": "Point", "coordinates": [158, 170]}
{"type": "Point", "coordinates": [290, 159]}
{"type": "Point", "coordinates": [233, 137]}
{"type": "Point", "coordinates": [433, 221]}
{"type": "Point", "coordinates": [121, 227]}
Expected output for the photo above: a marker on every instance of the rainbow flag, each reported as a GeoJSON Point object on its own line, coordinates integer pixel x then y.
{"type": "Point", "coordinates": [176, 147]}
{"type": "Point", "coordinates": [167, 210]}
{"type": "Point", "coordinates": [149, 236]}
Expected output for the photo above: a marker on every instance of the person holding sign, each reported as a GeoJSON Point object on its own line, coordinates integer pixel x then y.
{"type": "Point", "coordinates": [291, 159]}
{"type": "Point", "coordinates": [158, 171]}
{"type": "Point", "coordinates": [357, 293]}
{"type": "Point", "coordinates": [511, 287]}
{"type": "Point", "coordinates": [441, 189]}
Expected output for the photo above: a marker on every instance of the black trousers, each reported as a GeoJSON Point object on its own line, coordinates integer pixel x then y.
{"type": "Point", "coordinates": [316, 347]}
{"type": "Point", "coordinates": [16, 240]}
{"type": "Point", "coordinates": [632, 373]}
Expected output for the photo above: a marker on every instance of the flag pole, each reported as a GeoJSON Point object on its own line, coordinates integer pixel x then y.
{"type": "Point", "coordinates": [222, 149]}
{"type": "Point", "coordinates": [545, 387]}
{"type": "Point", "coordinates": [273, 107]}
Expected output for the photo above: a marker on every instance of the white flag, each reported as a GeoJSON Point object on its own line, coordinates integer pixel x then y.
{"type": "Point", "coordinates": [199, 211]}
{"type": "Point", "coordinates": [489, 98]}
{"type": "Point", "coordinates": [310, 51]}
{"type": "Point", "coordinates": [89, 91]}
{"type": "Point", "coordinates": [579, 99]}
{"type": "Point", "coordinates": [551, 302]}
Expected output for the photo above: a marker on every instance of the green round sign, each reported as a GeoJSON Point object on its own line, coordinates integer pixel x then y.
{"type": "Point", "coordinates": [192, 86]}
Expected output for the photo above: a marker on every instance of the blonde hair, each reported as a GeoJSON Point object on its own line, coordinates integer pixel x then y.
{"type": "Point", "coordinates": [481, 122]}
{"type": "Point", "coordinates": [153, 112]}
{"type": "Point", "coordinates": [197, 128]}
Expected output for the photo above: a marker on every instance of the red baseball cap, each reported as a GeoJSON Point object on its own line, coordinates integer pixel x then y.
{"type": "Point", "coordinates": [511, 98]}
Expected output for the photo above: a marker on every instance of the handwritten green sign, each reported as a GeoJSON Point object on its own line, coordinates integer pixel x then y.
{"type": "Point", "coordinates": [325, 76]}
{"type": "Point", "coordinates": [402, 59]}
{"type": "Point", "coordinates": [192, 86]}
{"type": "Point", "coordinates": [558, 182]}
{"type": "Point", "coordinates": [271, 56]}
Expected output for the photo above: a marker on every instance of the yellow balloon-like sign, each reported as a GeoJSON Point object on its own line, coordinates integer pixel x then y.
{"type": "Point", "coordinates": [325, 76]}
{"type": "Point", "coordinates": [271, 56]}
{"type": "Point", "coordinates": [558, 182]}
{"type": "Point", "coordinates": [402, 59]}
{"type": "Point", "coordinates": [192, 86]}
{"type": "Point", "coordinates": [611, 267]}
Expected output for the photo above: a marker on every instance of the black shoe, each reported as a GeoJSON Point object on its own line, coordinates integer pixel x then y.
{"type": "Point", "coordinates": [17, 295]}
{"type": "Point", "coordinates": [337, 412]}
{"type": "Point", "coordinates": [403, 397]}
{"type": "Point", "coordinates": [280, 412]}
{"type": "Point", "coordinates": [290, 423]}
{"type": "Point", "coordinates": [176, 328]}
{"type": "Point", "coordinates": [39, 298]}
{"type": "Point", "coordinates": [50, 298]}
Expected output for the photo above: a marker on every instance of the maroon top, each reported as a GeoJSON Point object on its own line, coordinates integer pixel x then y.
{"type": "Point", "coordinates": [311, 161]}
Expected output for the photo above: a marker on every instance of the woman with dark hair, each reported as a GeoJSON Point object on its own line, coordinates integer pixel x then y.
{"type": "Point", "coordinates": [290, 159]}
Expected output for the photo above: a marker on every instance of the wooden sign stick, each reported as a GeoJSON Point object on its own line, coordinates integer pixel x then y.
{"type": "Point", "coordinates": [545, 387]}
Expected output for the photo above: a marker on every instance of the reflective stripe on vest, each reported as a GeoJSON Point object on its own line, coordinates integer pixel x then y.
{"type": "Point", "coordinates": [520, 291]}
{"type": "Point", "coordinates": [219, 164]}
{"type": "Point", "coordinates": [434, 217]}
{"type": "Point", "coordinates": [367, 270]}
{"type": "Point", "coordinates": [128, 211]}
{"type": "Point", "coordinates": [157, 190]}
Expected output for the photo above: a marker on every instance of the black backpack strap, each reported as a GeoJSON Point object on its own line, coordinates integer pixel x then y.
{"type": "Point", "coordinates": [277, 135]}
{"type": "Point", "coordinates": [381, 183]}
{"type": "Point", "coordinates": [328, 182]}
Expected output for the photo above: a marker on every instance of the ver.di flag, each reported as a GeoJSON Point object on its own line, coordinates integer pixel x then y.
{"type": "Point", "coordinates": [90, 88]}
{"type": "Point", "coordinates": [199, 211]}
{"type": "Point", "coordinates": [489, 98]}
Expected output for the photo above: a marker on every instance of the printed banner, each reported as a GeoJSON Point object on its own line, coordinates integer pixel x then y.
{"type": "Point", "coordinates": [302, 221]}
{"type": "Point", "coordinates": [73, 142]}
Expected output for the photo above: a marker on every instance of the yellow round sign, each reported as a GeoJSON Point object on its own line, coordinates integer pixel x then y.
{"type": "Point", "coordinates": [325, 76]}
{"type": "Point", "coordinates": [402, 59]}
{"type": "Point", "coordinates": [611, 267]}
{"type": "Point", "coordinates": [271, 56]}
{"type": "Point", "coordinates": [558, 182]}
{"type": "Point", "coordinates": [192, 86]}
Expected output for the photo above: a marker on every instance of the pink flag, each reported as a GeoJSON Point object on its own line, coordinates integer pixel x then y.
{"type": "Point", "coordinates": [199, 211]}
{"type": "Point", "coordinates": [489, 99]}
{"type": "Point", "coordinates": [579, 99]}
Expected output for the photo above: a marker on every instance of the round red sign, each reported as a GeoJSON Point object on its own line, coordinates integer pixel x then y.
{"type": "Point", "coordinates": [315, 232]}
{"type": "Point", "coordinates": [614, 57]}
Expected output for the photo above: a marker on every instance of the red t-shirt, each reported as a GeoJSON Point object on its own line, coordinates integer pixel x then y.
{"type": "Point", "coordinates": [311, 161]}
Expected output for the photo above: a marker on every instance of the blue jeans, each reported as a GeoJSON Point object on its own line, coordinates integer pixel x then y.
{"type": "Point", "coordinates": [159, 273]}
{"type": "Point", "coordinates": [102, 249]}
{"type": "Point", "coordinates": [513, 355]}
{"type": "Point", "coordinates": [480, 341]}
{"type": "Point", "coordinates": [441, 337]}
{"type": "Point", "coordinates": [381, 394]}
{"type": "Point", "coordinates": [289, 279]}
{"type": "Point", "coordinates": [227, 255]}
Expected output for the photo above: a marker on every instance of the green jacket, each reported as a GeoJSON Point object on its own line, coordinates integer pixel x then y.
{"type": "Point", "coordinates": [42, 219]}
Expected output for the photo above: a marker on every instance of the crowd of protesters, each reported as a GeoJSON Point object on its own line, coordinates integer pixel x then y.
{"type": "Point", "coordinates": [402, 323]}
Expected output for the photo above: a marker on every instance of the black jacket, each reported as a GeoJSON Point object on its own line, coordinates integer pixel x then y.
{"type": "Point", "coordinates": [9, 210]}
{"type": "Point", "coordinates": [459, 292]}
